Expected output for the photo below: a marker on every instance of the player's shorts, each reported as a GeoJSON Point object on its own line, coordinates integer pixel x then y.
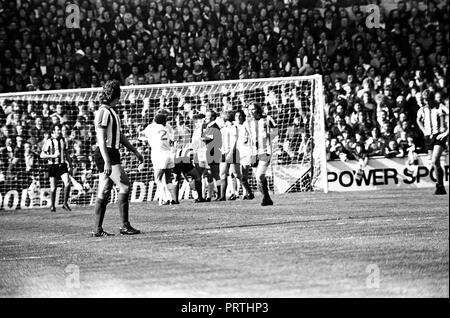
{"type": "Point", "coordinates": [114, 156]}
{"type": "Point", "coordinates": [200, 158]}
{"type": "Point", "coordinates": [260, 157]}
{"type": "Point", "coordinates": [204, 160]}
{"type": "Point", "coordinates": [245, 159]}
{"type": "Point", "coordinates": [183, 167]}
{"type": "Point", "coordinates": [235, 158]}
{"type": "Point", "coordinates": [214, 168]}
{"type": "Point", "coordinates": [163, 160]}
{"type": "Point", "coordinates": [57, 170]}
{"type": "Point", "coordinates": [431, 141]}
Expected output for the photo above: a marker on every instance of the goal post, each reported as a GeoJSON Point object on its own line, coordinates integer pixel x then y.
{"type": "Point", "coordinates": [296, 105]}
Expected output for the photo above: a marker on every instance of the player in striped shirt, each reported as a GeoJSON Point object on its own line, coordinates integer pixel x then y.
{"type": "Point", "coordinates": [432, 119]}
{"type": "Point", "coordinates": [107, 158]}
{"type": "Point", "coordinates": [55, 151]}
{"type": "Point", "coordinates": [260, 129]}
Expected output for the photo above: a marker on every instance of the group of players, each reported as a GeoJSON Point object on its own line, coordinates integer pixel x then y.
{"type": "Point", "coordinates": [221, 146]}
{"type": "Point", "coordinates": [229, 144]}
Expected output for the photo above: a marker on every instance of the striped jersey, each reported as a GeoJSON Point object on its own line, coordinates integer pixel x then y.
{"type": "Point", "coordinates": [181, 137]}
{"type": "Point", "coordinates": [107, 118]}
{"type": "Point", "coordinates": [229, 137]}
{"type": "Point", "coordinates": [434, 119]}
{"type": "Point", "coordinates": [53, 145]}
{"type": "Point", "coordinates": [260, 138]}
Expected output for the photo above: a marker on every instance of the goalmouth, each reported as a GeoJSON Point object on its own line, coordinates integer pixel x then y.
{"type": "Point", "coordinates": [296, 104]}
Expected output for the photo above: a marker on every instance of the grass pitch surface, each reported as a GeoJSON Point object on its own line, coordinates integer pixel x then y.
{"type": "Point", "coordinates": [359, 244]}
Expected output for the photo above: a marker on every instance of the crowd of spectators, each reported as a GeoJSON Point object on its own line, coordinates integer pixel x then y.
{"type": "Point", "coordinates": [372, 76]}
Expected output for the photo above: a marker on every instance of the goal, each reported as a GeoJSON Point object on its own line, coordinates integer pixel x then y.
{"type": "Point", "coordinates": [295, 104]}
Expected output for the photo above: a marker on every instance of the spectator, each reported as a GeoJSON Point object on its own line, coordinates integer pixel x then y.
{"type": "Point", "coordinates": [393, 150]}
{"type": "Point", "coordinates": [372, 78]}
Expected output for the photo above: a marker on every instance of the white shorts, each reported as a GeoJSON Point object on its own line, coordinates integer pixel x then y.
{"type": "Point", "coordinates": [163, 160]}
{"type": "Point", "coordinates": [245, 156]}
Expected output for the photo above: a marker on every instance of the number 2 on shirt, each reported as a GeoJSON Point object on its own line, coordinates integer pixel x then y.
{"type": "Point", "coordinates": [163, 134]}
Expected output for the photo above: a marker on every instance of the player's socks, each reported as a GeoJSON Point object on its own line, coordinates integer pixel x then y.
{"type": "Point", "coordinates": [66, 194]}
{"type": "Point", "coordinates": [234, 186]}
{"type": "Point", "coordinates": [247, 189]}
{"type": "Point", "coordinates": [177, 191]}
{"type": "Point", "coordinates": [160, 193]}
{"type": "Point", "coordinates": [260, 188]}
{"type": "Point", "coordinates": [100, 209]}
{"type": "Point", "coordinates": [223, 190]}
{"type": "Point", "coordinates": [167, 193]}
{"type": "Point", "coordinates": [123, 207]}
{"type": "Point", "coordinates": [210, 190]}
{"type": "Point", "coordinates": [172, 192]}
{"type": "Point", "coordinates": [219, 191]}
{"type": "Point", "coordinates": [204, 187]}
{"type": "Point", "coordinates": [440, 175]}
{"type": "Point", "coordinates": [53, 198]}
{"type": "Point", "coordinates": [265, 185]}
{"type": "Point", "coordinates": [198, 188]}
{"type": "Point", "coordinates": [264, 189]}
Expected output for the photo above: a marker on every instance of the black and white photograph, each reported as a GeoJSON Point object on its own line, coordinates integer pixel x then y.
{"type": "Point", "coordinates": [224, 153]}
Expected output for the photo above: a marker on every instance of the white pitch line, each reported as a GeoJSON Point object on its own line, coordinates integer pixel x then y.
{"type": "Point", "coordinates": [27, 257]}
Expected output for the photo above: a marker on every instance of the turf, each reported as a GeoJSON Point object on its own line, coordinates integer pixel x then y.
{"type": "Point", "coordinates": [306, 245]}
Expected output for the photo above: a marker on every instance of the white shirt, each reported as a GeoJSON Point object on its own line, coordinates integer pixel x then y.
{"type": "Point", "coordinates": [159, 137]}
{"type": "Point", "coordinates": [229, 137]}
{"type": "Point", "coordinates": [243, 141]}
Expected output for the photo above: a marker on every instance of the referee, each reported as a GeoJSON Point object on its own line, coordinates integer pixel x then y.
{"type": "Point", "coordinates": [432, 119]}
{"type": "Point", "coordinates": [107, 159]}
{"type": "Point", "coordinates": [55, 151]}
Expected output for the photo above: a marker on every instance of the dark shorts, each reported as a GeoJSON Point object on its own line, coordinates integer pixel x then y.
{"type": "Point", "coordinates": [431, 141]}
{"type": "Point", "coordinates": [57, 170]}
{"type": "Point", "coordinates": [182, 167]}
{"type": "Point", "coordinates": [214, 169]}
{"type": "Point", "coordinates": [114, 156]}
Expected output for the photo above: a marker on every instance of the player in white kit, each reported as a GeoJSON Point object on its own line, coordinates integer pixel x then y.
{"type": "Point", "coordinates": [159, 136]}
{"type": "Point", "coordinates": [245, 151]}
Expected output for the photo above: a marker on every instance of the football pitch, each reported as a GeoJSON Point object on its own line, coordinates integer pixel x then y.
{"type": "Point", "coordinates": [358, 244]}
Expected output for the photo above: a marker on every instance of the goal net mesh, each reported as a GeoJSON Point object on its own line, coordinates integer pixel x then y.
{"type": "Point", "coordinates": [295, 104]}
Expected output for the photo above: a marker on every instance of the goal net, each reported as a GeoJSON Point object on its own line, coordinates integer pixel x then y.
{"type": "Point", "coordinates": [295, 104]}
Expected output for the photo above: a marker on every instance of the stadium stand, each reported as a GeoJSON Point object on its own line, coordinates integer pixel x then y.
{"type": "Point", "coordinates": [371, 76]}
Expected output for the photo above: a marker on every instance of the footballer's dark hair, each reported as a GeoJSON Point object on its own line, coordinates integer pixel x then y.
{"type": "Point", "coordinates": [161, 119]}
{"type": "Point", "coordinates": [54, 126]}
{"type": "Point", "coordinates": [111, 91]}
{"type": "Point", "coordinates": [198, 116]}
{"type": "Point", "coordinates": [214, 115]}
{"type": "Point", "coordinates": [241, 113]}
{"type": "Point", "coordinates": [229, 115]}
{"type": "Point", "coordinates": [258, 107]}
